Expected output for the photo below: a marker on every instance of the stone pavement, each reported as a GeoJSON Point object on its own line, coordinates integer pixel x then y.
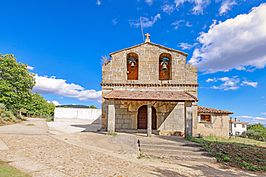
{"type": "Point", "coordinates": [33, 149]}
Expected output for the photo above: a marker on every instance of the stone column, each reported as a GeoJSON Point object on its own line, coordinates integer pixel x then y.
{"type": "Point", "coordinates": [111, 116]}
{"type": "Point", "coordinates": [181, 114]}
{"type": "Point", "coordinates": [194, 118]}
{"type": "Point", "coordinates": [149, 121]}
{"type": "Point", "coordinates": [189, 115]}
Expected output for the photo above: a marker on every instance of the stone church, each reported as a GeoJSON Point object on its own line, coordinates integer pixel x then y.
{"type": "Point", "coordinates": [151, 88]}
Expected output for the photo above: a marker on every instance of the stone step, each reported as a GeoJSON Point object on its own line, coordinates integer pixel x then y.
{"type": "Point", "coordinates": [174, 148]}
{"type": "Point", "coordinates": [171, 146]}
{"type": "Point", "coordinates": [169, 143]}
{"type": "Point", "coordinates": [172, 152]}
{"type": "Point", "coordinates": [180, 157]}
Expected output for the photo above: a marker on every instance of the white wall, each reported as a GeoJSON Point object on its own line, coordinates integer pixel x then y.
{"type": "Point", "coordinates": [78, 114]}
{"type": "Point", "coordinates": [238, 128]}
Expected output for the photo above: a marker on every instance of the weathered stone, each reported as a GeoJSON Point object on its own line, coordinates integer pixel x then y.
{"type": "Point", "coordinates": [172, 117]}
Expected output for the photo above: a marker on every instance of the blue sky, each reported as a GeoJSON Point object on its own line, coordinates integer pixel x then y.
{"type": "Point", "coordinates": [63, 41]}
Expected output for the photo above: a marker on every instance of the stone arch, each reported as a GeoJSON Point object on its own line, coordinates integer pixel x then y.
{"type": "Point", "coordinates": [165, 66]}
{"type": "Point", "coordinates": [132, 66]}
{"type": "Point", "coordinates": [142, 117]}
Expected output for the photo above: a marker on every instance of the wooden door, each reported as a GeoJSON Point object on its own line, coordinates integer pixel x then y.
{"type": "Point", "coordinates": [154, 119]}
{"type": "Point", "coordinates": [143, 116]}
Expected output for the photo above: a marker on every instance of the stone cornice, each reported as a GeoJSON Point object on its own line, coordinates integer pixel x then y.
{"type": "Point", "coordinates": [147, 85]}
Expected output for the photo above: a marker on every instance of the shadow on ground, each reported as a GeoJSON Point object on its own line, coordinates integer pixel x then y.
{"type": "Point", "coordinates": [203, 170]}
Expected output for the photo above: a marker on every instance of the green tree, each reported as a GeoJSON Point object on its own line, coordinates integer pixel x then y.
{"type": "Point", "coordinates": [39, 107]}
{"type": "Point", "coordinates": [257, 132]}
{"type": "Point", "coordinates": [16, 83]}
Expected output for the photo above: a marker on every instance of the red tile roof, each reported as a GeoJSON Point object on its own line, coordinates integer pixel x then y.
{"type": "Point", "coordinates": [150, 95]}
{"type": "Point", "coordinates": [237, 122]}
{"type": "Point", "coordinates": [211, 110]}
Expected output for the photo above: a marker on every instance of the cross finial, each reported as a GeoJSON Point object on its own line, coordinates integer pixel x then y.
{"type": "Point", "coordinates": [148, 39]}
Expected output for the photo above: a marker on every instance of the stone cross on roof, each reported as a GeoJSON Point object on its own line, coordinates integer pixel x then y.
{"type": "Point", "coordinates": [148, 39]}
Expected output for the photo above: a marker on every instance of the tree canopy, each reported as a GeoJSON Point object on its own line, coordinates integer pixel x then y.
{"type": "Point", "coordinates": [16, 84]}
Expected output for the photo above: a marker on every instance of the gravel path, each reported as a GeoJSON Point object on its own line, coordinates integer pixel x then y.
{"type": "Point", "coordinates": [32, 149]}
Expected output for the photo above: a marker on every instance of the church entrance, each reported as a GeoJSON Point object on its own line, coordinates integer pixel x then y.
{"type": "Point", "coordinates": [143, 116]}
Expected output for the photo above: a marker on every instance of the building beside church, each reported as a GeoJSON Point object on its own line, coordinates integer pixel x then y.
{"type": "Point", "coordinates": [236, 127]}
{"type": "Point", "coordinates": [150, 87]}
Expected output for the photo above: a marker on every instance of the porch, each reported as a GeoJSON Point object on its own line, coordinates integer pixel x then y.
{"type": "Point", "coordinates": [164, 113]}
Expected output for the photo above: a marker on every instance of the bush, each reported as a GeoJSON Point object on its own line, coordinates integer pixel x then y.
{"type": "Point", "coordinates": [2, 106]}
{"type": "Point", "coordinates": [257, 132]}
{"type": "Point", "coordinates": [6, 116]}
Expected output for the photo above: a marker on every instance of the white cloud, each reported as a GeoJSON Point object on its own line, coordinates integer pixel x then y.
{"type": "Point", "coordinates": [188, 24]}
{"type": "Point", "coordinates": [211, 80]}
{"type": "Point", "coordinates": [264, 113]}
{"type": "Point", "coordinates": [226, 6]}
{"type": "Point", "coordinates": [237, 42]}
{"type": "Point", "coordinates": [177, 24]}
{"type": "Point", "coordinates": [56, 103]}
{"type": "Point", "coordinates": [115, 21]}
{"type": "Point", "coordinates": [199, 5]}
{"type": "Point", "coordinates": [168, 8]}
{"type": "Point", "coordinates": [249, 83]}
{"type": "Point", "coordinates": [260, 118]}
{"type": "Point", "coordinates": [187, 46]}
{"type": "Point", "coordinates": [253, 119]}
{"type": "Point", "coordinates": [245, 117]}
{"type": "Point", "coordinates": [149, 2]}
{"type": "Point", "coordinates": [98, 2]}
{"type": "Point", "coordinates": [30, 68]}
{"type": "Point", "coordinates": [52, 85]}
{"type": "Point", "coordinates": [230, 83]}
{"type": "Point", "coordinates": [145, 22]}
{"type": "Point", "coordinates": [180, 2]}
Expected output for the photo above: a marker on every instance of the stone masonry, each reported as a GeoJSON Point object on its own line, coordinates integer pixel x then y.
{"type": "Point", "coordinates": [174, 116]}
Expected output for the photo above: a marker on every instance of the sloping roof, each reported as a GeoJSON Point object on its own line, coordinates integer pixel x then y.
{"type": "Point", "coordinates": [157, 45]}
{"type": "Point", "coordinates": [212, 110]}
{"type": "Point", "coordinates": [150, 95]}
{"type": "Point", "coordinates": [237, 122]}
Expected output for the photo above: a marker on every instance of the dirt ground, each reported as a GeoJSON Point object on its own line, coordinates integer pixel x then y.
{"type": "Point", "coordinates": [30, 147]}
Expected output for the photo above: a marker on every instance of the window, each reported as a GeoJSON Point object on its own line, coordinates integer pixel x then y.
{"type": "Point", "coordinates": [243, 125]}
{"type": "Point", "coordinates": [132, 66]}
{"type": "Point", "coordinates": [234, 125]}
{"type": "Point", "coordinates": [205, 118]}
{"type": "Point", "coordinates": [165, 61]}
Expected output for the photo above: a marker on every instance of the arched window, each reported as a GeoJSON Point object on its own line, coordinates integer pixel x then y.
{"type": "Point", "coordinates": [165, 61]}
{"type": "Point", "coordinates": [132, 66]}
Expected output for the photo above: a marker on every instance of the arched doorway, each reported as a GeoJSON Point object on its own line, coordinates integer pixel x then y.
{"type": "Point", "coordinates": [143, 117]}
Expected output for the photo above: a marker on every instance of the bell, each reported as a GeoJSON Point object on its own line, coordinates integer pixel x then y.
{"type": "Point", "coordinates": [132, 64]}
{"type": "Point", "coordinates": [164, 67]}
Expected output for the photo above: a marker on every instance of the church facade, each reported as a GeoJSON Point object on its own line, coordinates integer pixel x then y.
{"type": "Point", "coordinates": [151, 88]}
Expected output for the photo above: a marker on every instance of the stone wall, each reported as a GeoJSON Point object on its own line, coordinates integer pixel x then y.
{"type": "Point", "coordinates": [170, 115]}
{"type": "Point", "coordinates": [77, 114]}
{"type": "Point", "coordinates": [115, 71]}
{"type": "Point", "coordinates": [219, 126]}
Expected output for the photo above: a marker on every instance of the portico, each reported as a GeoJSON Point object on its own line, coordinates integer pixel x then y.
{"type": "Point", "coordinates": [151, 110]}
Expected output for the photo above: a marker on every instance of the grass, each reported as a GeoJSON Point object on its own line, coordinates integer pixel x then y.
{"type": "Point", "coordinates": [30, 125]}
{"type": "Point", "coordinates": [237, 152]}
{"type": "Point", "coordinates": [9, 171]}
{"type": "Point", "coordinates": [240, 140]}
{"type": "Point", "coordinates": [111, 133]}
{"type": "Point", "coordinates": [49, 119]}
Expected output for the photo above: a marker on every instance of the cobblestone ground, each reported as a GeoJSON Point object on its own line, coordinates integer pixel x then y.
{"type": "Point", "coordinates": [86, 154]}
